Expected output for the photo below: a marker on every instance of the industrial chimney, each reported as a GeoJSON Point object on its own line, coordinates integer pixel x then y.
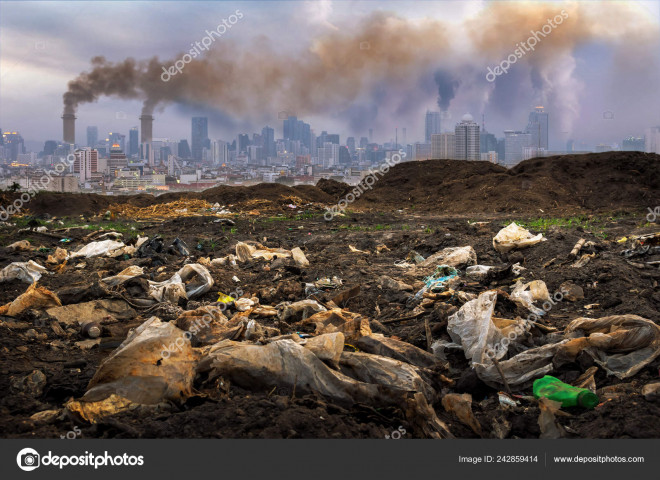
{"type": "Point", "coordinates": [146, 128]}
{"type": "Point", "coordinates": [69, 128]}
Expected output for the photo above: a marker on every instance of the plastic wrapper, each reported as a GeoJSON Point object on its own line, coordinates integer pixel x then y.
{"type": "Point", "coordinates": [28, 272]}
{"type": "Point", "coordinates": [513, 237]}
{"type": "Point", "coordinates": [95, 249]}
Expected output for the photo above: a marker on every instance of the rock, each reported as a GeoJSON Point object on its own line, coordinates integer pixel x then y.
{"type": "Point", "coordinates": [651, 391]}
{"type": "Point", "coordinates": [47, 416]}
{"type": "Point", "coordinates": [571, 292]}
{"type": "Point", "coordinates": [32, 384]}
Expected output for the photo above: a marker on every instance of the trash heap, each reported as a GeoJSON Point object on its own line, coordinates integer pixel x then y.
{"type": "Point", "coordinates": [314, 345]}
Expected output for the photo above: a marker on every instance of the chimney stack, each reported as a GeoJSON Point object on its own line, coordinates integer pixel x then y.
{"type": "Point", "coordinates": [146, 128]}
{"type": "Point", "coordinates": [69, 128]}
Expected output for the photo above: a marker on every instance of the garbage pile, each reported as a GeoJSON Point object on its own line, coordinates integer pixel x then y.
{"type": "Point", "coordinates": [185, 340]}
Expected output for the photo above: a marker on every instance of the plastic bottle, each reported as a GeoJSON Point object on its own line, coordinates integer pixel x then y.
{"type": "Point", "coordinates": [569, 396]}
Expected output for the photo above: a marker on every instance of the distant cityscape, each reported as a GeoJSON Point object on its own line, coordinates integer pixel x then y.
{"type": "Point", "coordinates": [142, 162]}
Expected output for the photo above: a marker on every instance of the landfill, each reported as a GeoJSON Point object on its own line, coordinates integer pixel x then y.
{"type": "Point", "coordinates": [229, 314]}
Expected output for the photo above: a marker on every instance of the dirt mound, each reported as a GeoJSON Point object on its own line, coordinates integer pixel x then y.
{"type": "Point", "coordinates": [575, 183]}
{"type": "Point", "coordinates": [335, 189]}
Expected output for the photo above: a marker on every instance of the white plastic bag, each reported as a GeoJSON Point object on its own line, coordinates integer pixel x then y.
{"type": "Point", "coordinates": [514, 237]}
{"type": "Point", "coordinates": [28, 272]}
{"type": "Point", "coordinates": [94, 249]}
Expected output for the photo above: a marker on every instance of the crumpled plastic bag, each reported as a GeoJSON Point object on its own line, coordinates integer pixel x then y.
{"type": "Point", "coordinates": [94, 249]}
{"type": "Point", "coordinates": [34, 298]}
{"type": "Point", "coordinates": [379, 344]}
{"type": "Point", "coordinates": [245, 252]}
{"type": "Point", "coordinates": [352, 325]}
{"type": "Point", "coordinates": [457, 257]}
{"type": "Point", "coordinates": [513, 237]}
{"type": "Point", "coordinates": [125, 274]}
{"type": "Point", "coordinates": [28, 272]}
{"type": "Point", "coordinates": [138, 371]}
{"type": "Point", "coordinates": [621, 344]}
{"type": "Point", "coordinates": [473, 328]}
{"type": "Point", "coordinates": [193, 278]}
{"type": "Point", "coordinates": [20, 246]}
{"type": "Point", "coordinates": [300, 310]}
{"type": "Point", "coordinates": [528, 293]}
{"type": "Point", "coordinates": [286, 364]}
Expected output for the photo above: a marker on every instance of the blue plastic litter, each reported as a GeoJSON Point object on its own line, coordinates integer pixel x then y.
{"type": "Point", "coordinates": [437, 282]}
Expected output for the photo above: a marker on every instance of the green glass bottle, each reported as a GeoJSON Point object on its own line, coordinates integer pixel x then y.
{"type": "Point", "coordinates": [569, 396]}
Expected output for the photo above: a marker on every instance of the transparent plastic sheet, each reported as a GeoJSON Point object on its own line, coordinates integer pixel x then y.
{"type": "Point", "coordinates": [95, 249]}
{"type": "Point", "coordinates": [28, 272]}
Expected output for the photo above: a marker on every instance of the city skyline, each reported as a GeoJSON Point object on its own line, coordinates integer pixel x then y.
{"type": "Point", "coordinates": [607, 111]}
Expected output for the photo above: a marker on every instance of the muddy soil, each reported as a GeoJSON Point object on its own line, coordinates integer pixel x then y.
{"type": "Point", "coordinates": [612, 285]}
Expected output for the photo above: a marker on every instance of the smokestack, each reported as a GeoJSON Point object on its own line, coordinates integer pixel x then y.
{"type": "Point", "coordinates": [146, 128]}
{"type": "Point", "coordinates": [69, 128]}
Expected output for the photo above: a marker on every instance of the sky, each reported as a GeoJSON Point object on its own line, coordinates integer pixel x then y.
{"type": "Point", "coordinates": [342, 66]}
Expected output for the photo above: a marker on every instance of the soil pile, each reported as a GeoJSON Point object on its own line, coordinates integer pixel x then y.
{"type": "Point", "coordinates": [570, 183]}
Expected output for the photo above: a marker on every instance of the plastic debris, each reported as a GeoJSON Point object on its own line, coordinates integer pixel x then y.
{"type": "Point", "coordinates": [28, 272]}
{"type": "Point", "coordinates": [513, 237]}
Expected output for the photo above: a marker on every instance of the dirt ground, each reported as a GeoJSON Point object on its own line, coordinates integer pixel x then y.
{"type": "Point", "coordinates": [612, 285]}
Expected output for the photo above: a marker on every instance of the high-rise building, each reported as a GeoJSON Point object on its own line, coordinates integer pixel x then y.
{"type": "Point", "coordinates": [652, 140]}
{"type": "Point", "coordinates": [220, 152]}
{"type": "Point", "coordinates": [243, 143]}
{"type": "Point", "coordinates": [294, 129]}
{"type": "Point", "coordinates": [133, 143]}
{"type": "Point", "coordinates": [86, 163]}
{"type": "Point", "coordinates": [442, 146]}
{"type": "Point", "coordinates": [467, 144]}
{"type": "Point", "coordinates": [537, 127]}
{"type": "Point", "coordinates": [344, 156]}
{"type": "Point", "coordinates": [364, 141]}
{"type": "Point", "coordinates": [422, 151]}
{"type": "Point", "coordinates": [514, 146]}
{"type": "Point", "coordinates": [92, 136]}
{"type": "Point", "coordinates": [183, 149]}
{"type": "Point", "coordinates": [13, 145]}
{"type": "Point", "coordinates": [350, 143]}
{"type": "Point", "coordinates": [431, 125]}
{"type": "Point", "coordinates": [114, 137]}
{"type": "Point", "coordinates": [328, 155]}
{"type": "Point", "coordinates": [268, 140]}
{"type": "Point", "coordinates": [49, 147]}
{"type": "Point", "coordinates": [199, 137]}
{"type": "Point", "coordinates": [632, 144]}
{"type": "Point", "coordinates": [487, 142]}
{"type": "Point", "coordinates": [117, 160]}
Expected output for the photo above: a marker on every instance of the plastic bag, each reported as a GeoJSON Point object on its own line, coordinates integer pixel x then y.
{"type": "Point", "coordinates": [621, 344]}
{"type": "Point", "coordinates": [528, 293]}
{"type": "Point", "coordinates": [94, 249]}
{"type": "Point", "coordinates": [28, 272]}
{"type": "Point", "coordinates": [35, 298]}
{"type": "Point", "coordinates": [514, 237]}
{"type": "Point", "coordinates": [453, 256]}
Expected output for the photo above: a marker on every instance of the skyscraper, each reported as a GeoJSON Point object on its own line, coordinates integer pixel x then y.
{"type": "Point", "coordinates": [133, 143]}
{"type": "Point", "coordinates": [268, 139]}
{"type": "Point", "coordinates": [92, 136]}
{"type": "Point", "coordinates": [467, 139]}
{"type": "Point", "coordinates": [114, 137]}
{"type": "Point", "coordinates": [443, 145]}
{"type": "Point", "coordinates": [199, 137]}
{"type": "Point", "coordinates": [243, 143]}
{"type": "Point", "coordinates": [432, 125]}
{"type": "Point", "coordinates": [514, 145]}
{"type": "Point", "coordinates": [537, 127]}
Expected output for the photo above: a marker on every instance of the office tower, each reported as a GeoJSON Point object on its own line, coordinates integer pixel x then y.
{"type": "Point", "coordinates": [184, 149]}
{"type": "Point", "coordinates": [13, 145]}
{"type": "Point", "coordinates": [632, 144]}
{"type": "Point", "coordinates": [487, 142]}
{"type": "Point", "coordinates": [294, 129]}
{"type": "Point", "coordinates": [344, 156]}
{"type": "Point", "coordinates": [538, 128]}
{"type": "Point", "coordinates": [268, 141]}
{"type": "Point", "coordinates": [49, 147]}
{"type": "Point", "coordinates": [350, 143]}
{"type": "Point", "coordinates": [652, 142]}
{"type": "Point", "coordinates": [431, 125]}
{"type": "Point", "coordinates": [118, 138]}
{"type": "Point", "coordinates": [86, 163]}
{"type": "Point", "coordinates": [514, 145]}
{"type": "Point", "coordinates": [501, 149]}
{"type": "Point", "coordinates": [243, 143]}
{"type": "Point", "coordinates": [220, 152]}
{"type": "Point", "coordinates": [422, 151]}
{"type": "Point", "coordinates": [443, 145]}
{"type": "Point", "coordinates": [133, 142]}
{"type": "Point", "coordinates": [364, 141]}
{"type": "Point", "coordinates": [466, 146]}
{"type": "Point", "coordinates": [92, 136]}
{"type": "Point", "coordinates": [328, 155]}
{"type": "Point", "coordinates": [117, 160]}
{"type": "Point", "coordinates": [199, 137]}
